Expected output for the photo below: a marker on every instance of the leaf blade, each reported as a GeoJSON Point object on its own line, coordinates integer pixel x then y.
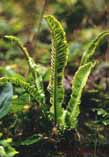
{"type": "Point", "coordinates": [79, 82]}
{"type": "Point", "coordinates": [58, 62]}
{"type": "Point", "coordinates": [6, 95]}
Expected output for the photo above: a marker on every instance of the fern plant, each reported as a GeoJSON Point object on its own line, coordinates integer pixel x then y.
{"type": "Point", "coordinates": [63, 118]}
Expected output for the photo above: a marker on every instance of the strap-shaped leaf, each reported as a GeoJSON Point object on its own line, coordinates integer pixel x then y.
{"type": "Point", "coordinates": [6, 94]}
{"type": "Point", "coordinates": [92, 47]}
{"type": "Point", "coordinates": [34, 69]}
{"type": "Point", "coordinates": [58, 62]}
{"type": "Point", "coordinates": [79, 81]}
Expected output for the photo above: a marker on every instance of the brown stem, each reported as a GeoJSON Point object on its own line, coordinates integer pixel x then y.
{"type": "Point", "coordinates": [35, 35]}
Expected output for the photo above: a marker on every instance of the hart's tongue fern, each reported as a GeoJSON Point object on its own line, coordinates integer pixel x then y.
{"type": "Point", "coordinates": [38, 81]}
{"type": "Point", "coordinates": [68, 117]}
{"type": "Point", "coordinates": [79, 82]}
{"type": "Point", "coordinates": [58, 61]}
{"type": "Point", "coordinates": [63, 117]}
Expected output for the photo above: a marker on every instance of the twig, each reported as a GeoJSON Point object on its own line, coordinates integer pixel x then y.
{"type": "Point", "coordinates": [35, 35]}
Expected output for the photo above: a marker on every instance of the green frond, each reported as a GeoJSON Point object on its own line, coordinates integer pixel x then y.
{"type": "Point", "coordinates": [79, 82]}
{"type": "Point", "coordinates": [33, 67]}
{"type": "Point", "coordinates": [92, 47]}
{"type": "Point", "coordinates": [20, 83]}
{"type": "Point", "coordinates": [58, 61]}
{"type": "Point", "coordinates": [38, 80]}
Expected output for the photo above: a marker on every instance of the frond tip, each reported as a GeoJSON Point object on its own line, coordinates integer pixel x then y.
{"type": "Point", "coordinates": [92, 47]}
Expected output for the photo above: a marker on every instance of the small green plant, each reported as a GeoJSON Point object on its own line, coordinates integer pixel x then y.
{"type": "Point", "coordinates": [6, 149]}
{"type": "Point", "coordinates": [63, 118]}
